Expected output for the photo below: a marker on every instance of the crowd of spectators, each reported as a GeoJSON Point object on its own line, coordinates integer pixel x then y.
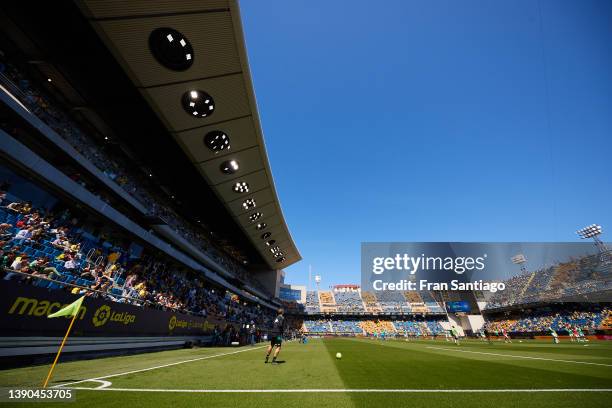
{"type": "Point", "coordinates": [576, 278]}
{"type": "Point", "coordinates": [585, 317]}
{"type": "Point", "coordinates": [51, 250]}
{"type": "Point", "coordinates": [393, 302]}
{"type": "Point", "coordinates": [419, 327]}
{"type": "Point", "coordinates": [349, 301]}
{"type": "Point", "coordinates": [312, 302]}
{"type": "Point", "coordinates": [514, 289]}
{"type": "Point", "coordinates": [368, 326]}
{"type": "Point", "coordinates": [117, 169]}
{"type": "Point", "coordinates": [345, 300]}
{"type": "Point", "coordinates": [327, 302]}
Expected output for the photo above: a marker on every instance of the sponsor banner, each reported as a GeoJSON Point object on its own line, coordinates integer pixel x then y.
{"type": "Point", "coordinates": [458, 307]}
{"type": "Point", "coordinates": [24, 310]}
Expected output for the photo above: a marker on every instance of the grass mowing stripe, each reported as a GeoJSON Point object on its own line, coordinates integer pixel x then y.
{"type": "Point", "coordinates": [355, 390]}
{"type": "Point", "coordinates": [157, 367]}
{"type": "Point", "coordinates": [515, 356]}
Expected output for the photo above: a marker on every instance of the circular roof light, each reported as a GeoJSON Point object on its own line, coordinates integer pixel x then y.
{"type": "Point", "coordinates": [198, 103]}
{"type": "Point", "coordinates": [275, 249]}
{"type": "Point", "coordinates": [261, 226]}
{"type": "Point", "coordinates": [229, 166]}
{"type": "Point", "coordinates": [270, 242]}
{"type": "Point", "coordinates": [241, 187]}
{"type": "Point", "coordinates": [248, 204]}
{"type": "Point", "coordinates": [255, 216]}
{"type": "Point", "coordinates": [266, 235]}
{"type": "Point", "coordinates": [217, 140]}
{"type": "Point", "coordinates": [171, 49]}
{"type": "Point", "coordinates": [280, 260]}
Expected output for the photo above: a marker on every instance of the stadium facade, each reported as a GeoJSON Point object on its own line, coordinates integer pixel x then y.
{"type": "Point", "coordinates": [133, 171]}
{"type": "Point", "coordinates": [131, 130]}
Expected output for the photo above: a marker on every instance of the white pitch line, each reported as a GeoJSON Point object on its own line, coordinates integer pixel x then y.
{"type": "Point", "coordinates": [515, 356]}
{"type": "Point", "coordinates": [105, 384]}
{"type": "Point", "coordinates": [354, 390]}
{"type": "Point", "coordinates": [98, 379]}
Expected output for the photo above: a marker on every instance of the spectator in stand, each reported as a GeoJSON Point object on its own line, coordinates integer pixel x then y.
{"type": "Point", "coordinates": [4, 187]}
{"type": "Point", "coordinates": [21, 208]}
{"type": "Point", "coordinates": [23, 236]}
{"type": "Point", "coordinates": [5, 232]}
{"type": "Point", "coordinates": [19, 264]}
{"type": "Point", "coordinates": [70, 263]}
{"type": "Point", "coordinates": [41, 267]}
{"type": "Point", "coordinates": [159, 284]}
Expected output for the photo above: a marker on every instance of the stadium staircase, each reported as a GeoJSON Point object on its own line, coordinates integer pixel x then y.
{"type": "Point", "coordinates": [522, 293]}
{"type": "Point", "coordinates": [371, 302]}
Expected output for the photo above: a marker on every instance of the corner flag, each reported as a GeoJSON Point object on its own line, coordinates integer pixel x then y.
{"type": "Point", "coordinates": [70, 310]}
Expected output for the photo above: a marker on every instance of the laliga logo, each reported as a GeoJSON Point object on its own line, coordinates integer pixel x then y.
{"type": "Point", "coordinates": [173, 323]}
{"type": "Point", "coordinates": [101, 316]}
{"type": "Point", "coordinates": [104, 314]}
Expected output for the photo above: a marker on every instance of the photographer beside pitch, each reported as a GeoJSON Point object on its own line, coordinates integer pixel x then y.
{"type": "Point", "coordinates": [276, 336]}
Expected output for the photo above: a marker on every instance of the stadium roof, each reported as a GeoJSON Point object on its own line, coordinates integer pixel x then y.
{"type": "Point", "coordinates": [216, 72]}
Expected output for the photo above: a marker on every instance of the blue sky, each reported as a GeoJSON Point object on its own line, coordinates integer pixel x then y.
{"type": "Point", "coordinates": [432, 121]}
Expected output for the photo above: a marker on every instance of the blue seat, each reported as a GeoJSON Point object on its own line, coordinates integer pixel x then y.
{"type": "Point", "coordinates": [42, 283]}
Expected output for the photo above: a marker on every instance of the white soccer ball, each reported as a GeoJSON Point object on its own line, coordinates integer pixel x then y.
{"type": "Point", "coordinates": [338, 356]}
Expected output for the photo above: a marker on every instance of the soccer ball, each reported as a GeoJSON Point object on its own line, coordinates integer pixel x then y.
{"type": "Point", "coordinates": [338, 356]}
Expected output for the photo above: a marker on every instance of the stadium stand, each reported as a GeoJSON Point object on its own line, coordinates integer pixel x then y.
{"type": "Point", "coordinates": [416, 302]}
{"type": "Point", "coordinates": [393, 302]}
{"type": "Point", "coordinates": [346, 326]}
{"type": "Point", "coordinates": [371, 303]}
{"type": "Point", "coordinates": [583, 276]}
{"type": "Point", "coordinates": [348, 298]}
{"type": "Point", "coordinates": [116, 167]}
{"type": "Point", "coordinates": [328, 303]}
{"type": "Point", "coordinates": [430, 302]}
{"type": "Point", "coordinates": [515, 288]}
{"type": "Point", "coordinates": [317, 326]}
{"type": "Point", "coordinates": [418, 328]}
{"type": "Point", "coordinates": [369, 326]}
{"type": "Point", "coordinates": [540, 321]}
{"type": "Point", "coordinates": [312, 302]}
{"type": "Point", "coordinates": [59, 248]}
{"type": "Point", "coordinates": [377, 326]}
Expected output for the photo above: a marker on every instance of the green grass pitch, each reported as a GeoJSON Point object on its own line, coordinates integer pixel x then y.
{"type": "Point", "coordinates": [371, 373]}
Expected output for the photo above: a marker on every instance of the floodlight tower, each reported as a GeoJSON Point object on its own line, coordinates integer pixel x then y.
{"type": "Point", "coordinates": [593, 231]}
{"type": "Point", "coordinates": [317, 281]}
{"type": "Point", "coordinates": [519, 259]}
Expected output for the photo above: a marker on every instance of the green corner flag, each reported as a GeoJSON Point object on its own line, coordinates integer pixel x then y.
{"type": "Point", "coordinates": [70, 310]}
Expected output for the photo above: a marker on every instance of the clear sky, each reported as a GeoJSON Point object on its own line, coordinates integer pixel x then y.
{"type": "Point", "coordinates": [433, 121]}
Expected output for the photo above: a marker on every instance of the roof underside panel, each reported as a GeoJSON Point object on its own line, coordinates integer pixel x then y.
{"type": "Point", "coordinates": [220, 68]}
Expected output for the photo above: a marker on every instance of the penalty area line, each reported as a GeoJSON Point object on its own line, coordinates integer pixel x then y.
{"type": "Point", "coordinates": [354, 390]}
{"type": "Point", "coordinates": [515, 356]}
